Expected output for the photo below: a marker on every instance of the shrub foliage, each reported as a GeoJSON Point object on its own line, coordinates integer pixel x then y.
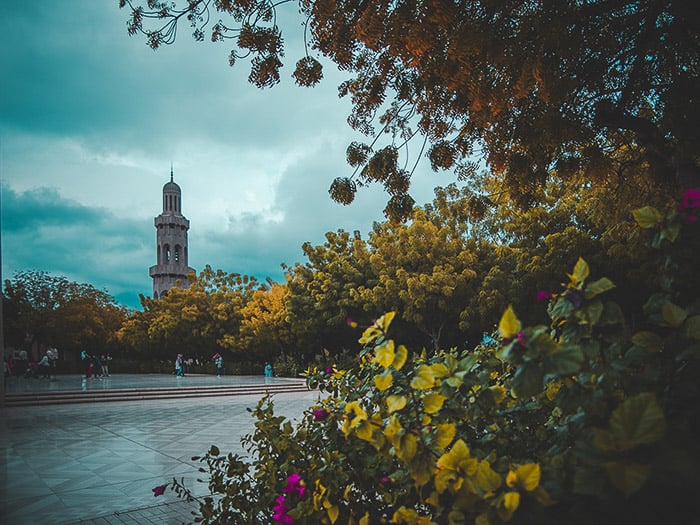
{"type": "Point", "coordinates": [592, 417]}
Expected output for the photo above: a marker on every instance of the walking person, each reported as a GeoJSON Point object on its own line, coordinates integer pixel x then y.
{"type": "Point", "coordinates": [43, 367]}
{"type": "Point", "coordinates": [219, 363]}
{"type": "Point", "coordinates": [85, 360]}
{"type": "Point", "coordinates": [105, 359]}
{"type": "Point", "coordinates": [179, 371]}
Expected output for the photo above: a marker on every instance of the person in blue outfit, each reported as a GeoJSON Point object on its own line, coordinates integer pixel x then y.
{"type": "Point", "coordinates": [268, 370]}
{"type": "Point", "coordinates": [219, 363]}
{"type": "Point", "coordinates": [179, 366]}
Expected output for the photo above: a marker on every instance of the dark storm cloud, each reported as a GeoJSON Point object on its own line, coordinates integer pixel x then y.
{"type": "Point", "coordinates": [43, 231]}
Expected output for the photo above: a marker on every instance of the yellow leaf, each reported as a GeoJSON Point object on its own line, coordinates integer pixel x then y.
{"type": "Point", "coordinates": [580, 273]}
{"type": "Point", "coordinates": [364, 430]}
{"type": "Point", "coordinates": [395, 403]}
{"type": "Point", "coordinates": [358, 411]}
{"type": "Point", "coordinates": [424, 378]}
{"type": "Point", "coordinates": [407, 447]}
{"type": "Point", "coordinates": [528, 476]}
{"type": "Point", "coordinates": [384, 353]}
{"type": "Point", "coordinates": [432, 403]}
{"type": "Point", "coordinates": [509, 325]}
{"type": "Point", "coordinates": [383, 381]}
{"type": "Point", "coordinates": [384, 321]}
{"type": "Point", "coordinates": [440, 370]}
{"type": "Point", "coordinates": [511, 479]}
{"type": "Point", "coordinates": [333, 512]}
{"type": "Point", "coordinates": [400, 357]}
{"type": "Point", "coordinates": [647, 217]}
{"type": "Point", "coordinates": [393, 428]}
{"type": "Point", "coordinates": [458, 459]}
{"type": "Point", "coordinates": [364, 520]}
{"type": "Point", "coordinates": [487, 479]}
{"type": "Point", "coordinates": [369, 335]}
{"type": "Point", "coordinates": [672, 314]}
{"type": "Point", "coordinates": [447, 478]}
{"type": "Point", "coordinates": [552, 390]}
{"type": "Point", "coordinates": [499, 394]}
{"type": "Point", "coordinates": [445, 434]}
{"type": "Point", "coordinates": [511, 501]}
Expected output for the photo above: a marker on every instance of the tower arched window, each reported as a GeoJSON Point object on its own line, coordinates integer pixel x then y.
{"type": "Point", "coordinates": [166, 253]}
{"type": "Point", "coordinates": [177, 253]}
{"type": "Point", "coordinates": [158, 257]}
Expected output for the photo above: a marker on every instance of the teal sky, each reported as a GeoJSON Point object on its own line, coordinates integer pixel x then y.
{"type": "Point", "coordinates": [92, 119]}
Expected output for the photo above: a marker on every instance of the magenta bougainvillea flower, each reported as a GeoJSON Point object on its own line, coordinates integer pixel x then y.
{"type": "Point", "coordinates": [159, 490]}
{"type": "Point", "coordinates": [321, 414]}
{"type": "Point", "coordinates": [329, 370]}
{"type": "Point", "coordinates": [543, 295]}
{"type": "Point", "coordinates": [690, 204]}
{"type": "Point", "coordinates": [279, 515]}
{"type": "Point", "coordinates": [295, 484]}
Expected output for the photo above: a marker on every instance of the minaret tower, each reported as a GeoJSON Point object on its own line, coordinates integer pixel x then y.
{"type": "Point", "coordinates": [171, 243]}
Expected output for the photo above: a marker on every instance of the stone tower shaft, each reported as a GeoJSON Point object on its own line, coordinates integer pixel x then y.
{"type": "Point", "coordinates": [171, 243]}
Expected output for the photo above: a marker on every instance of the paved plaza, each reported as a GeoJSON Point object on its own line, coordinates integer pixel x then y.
{"type": "Point", "coordinates": [96, 463]}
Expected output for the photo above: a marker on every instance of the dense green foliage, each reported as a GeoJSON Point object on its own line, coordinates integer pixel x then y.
{"type": "Point", "coordinates": [52, 311]}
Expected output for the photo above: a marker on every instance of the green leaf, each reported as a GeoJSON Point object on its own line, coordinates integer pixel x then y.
{"type": "Point", "coordinates": [674, 315]}
{"type": "Point", "coordinates": [598, 287]}
{"type": "Point", "coordinates": [628, 478]}
{"type": "Point", "coordinates": [648, 340]}
{"type": "Point", "coordinates": [527, 380]}
{"type": "Point", "coordinates": [214, 450]}
{"type": "Point", "coordinates": [566, 361]}
{"type": "Point", "coordinates": [647, 217]}
{"type": "Point", "coordinates": [638, 419]}
{"type": "Point", "coordinates": [692, 327]}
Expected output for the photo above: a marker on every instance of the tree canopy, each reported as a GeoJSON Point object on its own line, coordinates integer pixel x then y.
{"type": "Point", "coordinates": [531, 88]}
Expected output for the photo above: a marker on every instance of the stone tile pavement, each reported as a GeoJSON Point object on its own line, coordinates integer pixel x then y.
{"type": "Point", "coordinates": [96, 463]}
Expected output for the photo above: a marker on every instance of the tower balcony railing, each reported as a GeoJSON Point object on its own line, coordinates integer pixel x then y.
{"type": "Point", "coordinates": [170, 269]}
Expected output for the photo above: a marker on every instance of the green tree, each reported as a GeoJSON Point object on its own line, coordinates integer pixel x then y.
{"type": "Point", "coordinates": [528, 87]}
{"type": "Point", "coordinates": [322, 299]}
{"type": "Point", "coordinates": [48, 310]}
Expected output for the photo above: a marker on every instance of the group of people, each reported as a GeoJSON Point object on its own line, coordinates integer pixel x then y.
{"type": "Point", "coordinates": [95, 365]}
{"type": "Point", "coordinates": [41, 368]}
{"type": "Point", "coordinates": [180, 362]}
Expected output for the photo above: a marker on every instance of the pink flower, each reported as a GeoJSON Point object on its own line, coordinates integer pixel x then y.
{"type": "Point", "coordinates": [321, 414]}
{"type": "Point", "coordinates": [520, 339]}
{"type": "Point", "coordinates": [329, 370]}
{"type": "Point", "coordinates": [295, 484]}
{"type": "Point", "coordinates": [691, 199]}
{"type": "Point", "coordinates": [385, 480]}
{"type": "Point", "coordinates": [690, 203]}
{"type": "Point", "coordinates": [159, 490]}
{"type": "Point", "coordinates": [280, 515]}
{"type": "Point", "coordinates": [543, 295]}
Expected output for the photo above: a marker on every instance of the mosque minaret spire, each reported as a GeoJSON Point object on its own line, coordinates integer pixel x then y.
{"type": "Point", "coordinates": [171, 242]}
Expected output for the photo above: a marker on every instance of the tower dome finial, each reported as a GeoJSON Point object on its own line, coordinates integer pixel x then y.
{"type": "Point", "coordinates": [171, 172]}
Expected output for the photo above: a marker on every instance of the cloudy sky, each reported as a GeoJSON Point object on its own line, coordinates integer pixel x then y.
{"type": "Point", "coordinates": [91, 121]}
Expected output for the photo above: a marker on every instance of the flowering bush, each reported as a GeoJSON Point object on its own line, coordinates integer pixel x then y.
{"type": "Point", "coordinates": [591, 418]}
